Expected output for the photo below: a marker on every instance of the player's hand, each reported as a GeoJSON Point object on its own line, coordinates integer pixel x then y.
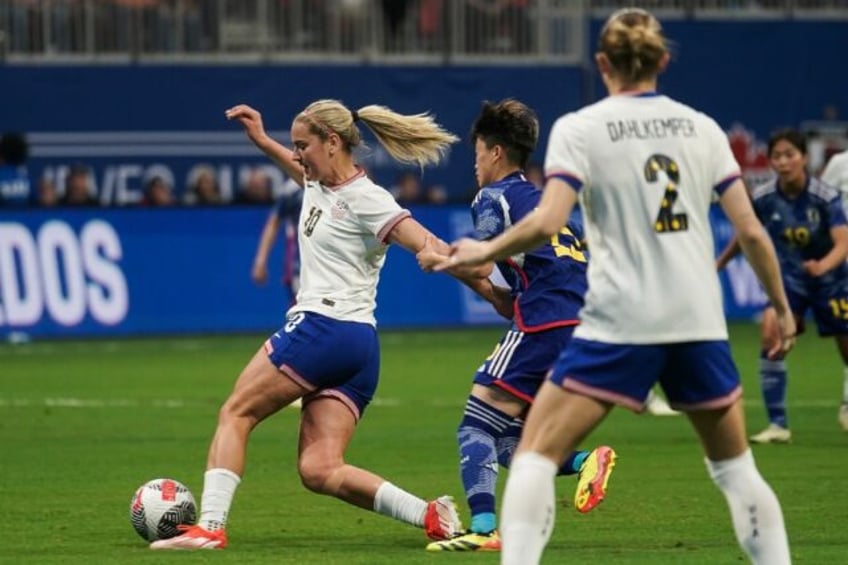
{"type": "Point", "coordinates": [788, 333]}
{"type": "Point", "coordinates": [259, 274]}
{"type": "Point", "coordinates": [465, 252]}
{"type": "Point", "coordinates": [250, 119]}
{"type": "Point", "coordinates": [813, 268]}
{"type": "Point", "coordinates": [427, 257]}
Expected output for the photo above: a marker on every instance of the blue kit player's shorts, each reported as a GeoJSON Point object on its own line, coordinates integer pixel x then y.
{"type": "Point", "coordinates": [521, 360]}
{"type": "Point", "coordinates": [697, 375]}
{"type": "Point", "coordinates": [329, 357]}
{"type": "Point", "coordinates": [829, 306]}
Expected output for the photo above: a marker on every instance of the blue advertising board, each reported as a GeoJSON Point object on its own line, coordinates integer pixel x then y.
{"type": "Point", "coordinates": [140, 271]}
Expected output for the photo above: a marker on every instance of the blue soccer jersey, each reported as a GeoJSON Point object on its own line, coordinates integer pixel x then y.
{"type": "Point", "coordinates": [800, 229]}
{"type": "Point", "coordinates": [548, 282]}
{"type": "Point", "coordinates": [287, 210]}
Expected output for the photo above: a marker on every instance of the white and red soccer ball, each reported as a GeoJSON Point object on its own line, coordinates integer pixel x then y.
{"type": "Point", "coordinates": [159, 506]}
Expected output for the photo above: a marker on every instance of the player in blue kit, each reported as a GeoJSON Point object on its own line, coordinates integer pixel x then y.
{"type": "Point", "coordinates": [284, 215]}
{"type": "Point", "coordinates": [806, 221]}
{"type": "Point", "coordinates": [547, 285]}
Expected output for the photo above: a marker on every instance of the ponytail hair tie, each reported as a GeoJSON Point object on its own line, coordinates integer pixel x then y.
{"type": "Point", "coordinates": [355, 115]}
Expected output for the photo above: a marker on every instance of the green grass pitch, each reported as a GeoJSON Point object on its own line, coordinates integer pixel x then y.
{"type": "Point", "coordinates": [83, 423]}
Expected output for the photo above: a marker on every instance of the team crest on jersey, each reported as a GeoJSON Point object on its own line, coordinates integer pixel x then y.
{"type": "Point", "coordinates": [339, 209]}
{"type": "Point", "coordinates": [813, 217]}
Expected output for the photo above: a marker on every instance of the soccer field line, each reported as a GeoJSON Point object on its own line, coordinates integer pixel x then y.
{"type": "Point", "coordinates": [166, 403]}
{"type": "Point", "coordinates": [70, 402]}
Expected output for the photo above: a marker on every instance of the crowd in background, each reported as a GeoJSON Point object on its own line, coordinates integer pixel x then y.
{"type": "Point", "coordinates": [75, 186]}
{"type": "Point", "coordinates": [199, 26]}
{"type": "Point", "coordinates": [344, 28]}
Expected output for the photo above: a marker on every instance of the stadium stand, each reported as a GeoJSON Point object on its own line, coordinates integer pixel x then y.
{"type": "Point", "coordinates": [347, 31]}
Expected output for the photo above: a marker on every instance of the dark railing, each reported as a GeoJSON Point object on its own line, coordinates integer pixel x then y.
{"type": "Point", "coordinates": [354, 31]}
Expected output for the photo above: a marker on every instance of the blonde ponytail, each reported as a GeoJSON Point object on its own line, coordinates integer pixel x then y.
{"type": "Point", "coordinates": [415, 139]}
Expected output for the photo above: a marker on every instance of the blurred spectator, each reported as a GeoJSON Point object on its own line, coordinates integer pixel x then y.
{"type": "Point", "coordinates": [498, 25]}
{"type": "Point", "coordinates": [203, 189]}
{"type": "Point", "coordinates": [436, 195]}
{"type": "Point", "coordinates": [157, 193]}
{"type": "Point", "coordinates": [193, 36]}
{"type": "Point", "coordinates": [430, 32]}
{"type": "Point", "coordinates": [78, 188]}
{"type": "Point", "coordinates": [284, 214]}
{"type": "Point", "coordinates": [20, 25]}
{"type": "Point", "coordinates": [256, 189]}
{"type": "Point", "coordinates": [407, 189]}
{"type": "Point", "coordinates": [15, 186]}
{"type": "Point", "coordinates": [394, 16]}
{"type": "Point", "coordinates": [46, 195]}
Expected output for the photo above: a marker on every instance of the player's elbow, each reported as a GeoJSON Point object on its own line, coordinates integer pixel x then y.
{"type": "Point", "coordinates": [546, 224]}
{"type": "Point", "coordinates": [751, 234]}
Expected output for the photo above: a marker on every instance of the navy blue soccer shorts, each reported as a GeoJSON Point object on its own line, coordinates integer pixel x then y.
{"type": "Point", "coordinates": [521, 360]}
{"type": "Point", "coordinates": [697, 375]}
{"type": "Point", "coordinates": [829, 307]}
{"type": "Point", "coordinates": [329, 357]}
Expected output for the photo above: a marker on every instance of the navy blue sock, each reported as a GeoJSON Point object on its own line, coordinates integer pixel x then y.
{"type": "Point", "coordinates": [478, 460]}
{"type": "Point", "coordinates": [508, 441]}
{"type": "Point", "coordinates": [773, 383]}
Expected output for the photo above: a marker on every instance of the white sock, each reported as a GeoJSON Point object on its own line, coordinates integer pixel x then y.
{"type": "Point", "coordinates": [219, 487]}
{"type": "Point", "coordinates": [399, 504]}
{"type": "Point", "coordinates": [527, 516]}
{"type": "Point", "coordinates": [757, 518]}
{"type": "Point", "coordinates": [845, 385]}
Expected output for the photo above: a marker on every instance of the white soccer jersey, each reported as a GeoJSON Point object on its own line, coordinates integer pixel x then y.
{"type": "Point", "coordinates": [341, 235]}
{"type": "Point", "coordinates": [836, 173]}
{"type": "Point", "coordinates": [646, 167]}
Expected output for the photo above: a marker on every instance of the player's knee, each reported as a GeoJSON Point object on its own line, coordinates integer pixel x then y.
{"type": "Point", "coordinates": [233, 414]}
{"type": "Point", "coordinates": [316, 475]}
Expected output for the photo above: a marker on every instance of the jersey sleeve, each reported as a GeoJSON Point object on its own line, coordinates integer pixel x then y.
{"type": "Point", "coordinates": [377, 211]}
{"type": "Point", "coordinates": [836, 212]}
{"type": "Point", "coordinates": [836, 172]}
{"type": "Point", "coordinates": [566, 157]}
{"type": "Point", "coordinates": [725, 168]}
{"type": "Point", "coordinates": [488, 214]}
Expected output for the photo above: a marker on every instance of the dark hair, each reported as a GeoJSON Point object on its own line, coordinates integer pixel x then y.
{"type": "Point", "coordinates": [510, 124]}
{"type": "Point", "coordinates": [14, 149]}
{"type": "Point", "coordinates": [791, 135]}
{"type": "Point", "coordinates": [153, 181]}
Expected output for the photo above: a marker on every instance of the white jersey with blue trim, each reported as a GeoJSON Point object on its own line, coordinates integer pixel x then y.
{"type": "Point", "coordinates": [836, 173]}
{"type": "Point", "coordinates": [341, 236]}
{"type": "Point", "coordinates": [646, 168]}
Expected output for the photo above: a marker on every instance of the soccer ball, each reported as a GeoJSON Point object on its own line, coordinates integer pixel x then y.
{"type": "Point", "coordinates": [159, 506]}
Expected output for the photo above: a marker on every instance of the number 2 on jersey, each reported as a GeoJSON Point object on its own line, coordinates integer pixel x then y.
{"type": "Point", "coordinates": [666, 220]}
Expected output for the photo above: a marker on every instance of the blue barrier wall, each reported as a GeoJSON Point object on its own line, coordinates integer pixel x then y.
{"type": "Point", "coordinates": [136, 271]}
{"type": "Point", "coordinates": [131, 123]}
